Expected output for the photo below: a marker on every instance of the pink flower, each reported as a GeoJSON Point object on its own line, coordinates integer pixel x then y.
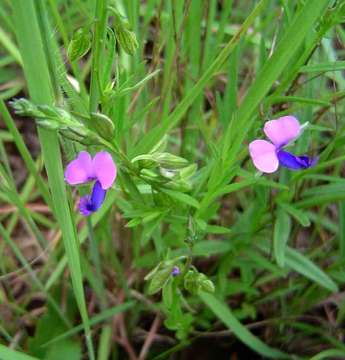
{"type": "Point", "coordinates": [84, 169]}
{"type": "Point", "coordinates": [267, 156]}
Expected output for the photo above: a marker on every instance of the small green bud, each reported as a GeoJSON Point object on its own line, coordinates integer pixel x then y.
{"type": "Point", "coordinates": [125, 37]}
{"type": "Point", "coordinates": [170, 161]}
{"type": "Point", "coordinates": [151, 176]}
{"type": "Point", "coordinates": [179, 185]}
{"type": "Point", "coordinates": [127, 40]}
{"type": "Point", "coordinates": [145, 161]}
{"type": "Point", "coordinates": [188, 171]}
{"type": "Point", "coordinates": [24, 107]}
{"type": "Point", "coordinates": [207, 286]}
{"type": "Point", "coordinates": [195, 282]}
{"type": "Point", "coordinates": [191, 281]}
{"type": "Point", "coordinates": [102, 125]}
{"type": "Point", "coordinates": [80, 44]}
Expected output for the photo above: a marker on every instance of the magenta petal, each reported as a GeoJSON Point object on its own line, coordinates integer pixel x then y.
{"type": "Point", "coordinates": [264, 156]}
{"type": "Point", "coordinates": [283, 130]}
{"type": "Point", "coordinates": [105, 169]}
{"type": "Point", "coordinates": [79, 170]}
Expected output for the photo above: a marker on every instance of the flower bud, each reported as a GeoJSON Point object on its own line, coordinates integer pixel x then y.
{"type": "Point", "coordinates": [145, 161]}
{"type": "Point", "coordinates": [151, 176]}
{"type": "Point", "coordinates": [188, 171]}
{"type": "Point", "coordinates": [102, 125]}
{"type": "Point", "coordinates": [24, 107]}
{"type": "Point", "coordinates": [127, 40]}
{"type": "Point", "coordinates": [80, 44]}
{"type": "Point", "coordinates": [179, 185]}
{"type": "Point", "coordinates": [125, 37]}
{"type": "Point", "coordinates": [195, 282]}
{"type": "Point", "coordinates": [170, 161]}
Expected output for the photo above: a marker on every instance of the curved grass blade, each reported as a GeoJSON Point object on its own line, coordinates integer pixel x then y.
{"type": "Point", "coordinates": [225, 315]}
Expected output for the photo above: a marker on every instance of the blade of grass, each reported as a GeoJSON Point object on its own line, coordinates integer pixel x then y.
{"type": "Point", "coordinates": [173, 119]}
{"type": "Point", "coordinates": [7, 353]}
{"type": "Point", "coordinates": [24, 152]}
{"type": "Point", "coordinates": [225, 315]}
{"type": "Point", "coordinates": [106, 314]}
{"type": "Point", "coordinates": [5, 236]}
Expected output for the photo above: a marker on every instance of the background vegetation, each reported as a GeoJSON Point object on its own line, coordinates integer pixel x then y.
{"type": "Point", "coordinates": [205, 77]}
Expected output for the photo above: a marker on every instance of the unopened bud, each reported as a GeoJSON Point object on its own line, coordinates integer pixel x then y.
{"type": "Point", "coordinates": [80, 44]}
{"type": "Point", "coordinates": [151, 176]}
{"type": "Point", "coordinates": [102, 125]}
{"type": "Point", "coordinates": [170, 161]}
{"type": "Point", "coordinates": [125, 37]}
{"type": "Point", "coordinates": [195, 282]}
{"type": "Point", "coordinates": [179, 185]}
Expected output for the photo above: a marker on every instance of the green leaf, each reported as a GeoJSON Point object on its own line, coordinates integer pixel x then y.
{"type": "Point", "coordinates": [306, 267]}
{"type": "Point", "coordinates": [106, 314]}
{"type": "Point", "coordinates": [282, 228]}
{"type": "Point", "coordinates": [323, 67]}
{"type": "Point", "coordinates": [328, 354]}
{"type": "Point", "coordinates": [168, 294]}
{"type": "Point", "coordinates": [80, 44]}
{"type": "Point", "coordinates": [159, 279]}
{"type": "Point", "coordinates": [225, 315]}
{"type": "Point", "coordinates": [65, 349]}
{"type": "Point", "coordinates": [297, 214]}
{"type": "Point", "coordinates": [7, 353]}
{"type": "Point", "coordinates": [211, 247]}
{"type": "Point", "coordinates": [181, 197]}
{"type": "Point", "coordinates": [301, 264]}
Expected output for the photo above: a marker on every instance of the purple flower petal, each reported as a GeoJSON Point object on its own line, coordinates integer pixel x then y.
{"type": "Point", "coordinates": [104, 169]}
{"type": "Point", "coordinates": [293, 162]}
{"type": "Point", "coordinates": [97, 196]}
{"type": "Point", "coordinates": [79, 170]}
{"type": "Point", "coordinates": [283, 130]}
{"type": "Point", "coordinates": [89, 204]}
{"type": "Point", "coordinates": [175, 271]}
{"type": "Point", "coordinates": [84, 205]}
{"type": "Point", "coordinates": [264, 157]}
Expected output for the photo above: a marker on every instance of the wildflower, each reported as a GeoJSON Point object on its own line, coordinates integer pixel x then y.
{"type": "Point", "coordinates": [84, 169]}
{"type": "Point", "coordinates": [267, 156]}
{"type": "Point", "coordinates": [175, 271]}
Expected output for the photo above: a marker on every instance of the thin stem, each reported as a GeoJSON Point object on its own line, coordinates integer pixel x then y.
{"type": "Point", "coordinates": [95, 257]}
{"type": "Point", "coordinates": [97, 46]}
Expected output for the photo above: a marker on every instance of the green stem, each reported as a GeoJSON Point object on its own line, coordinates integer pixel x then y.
{"type": "Point", "coordinates": [97, 46]}
{"type": "Point", "coordinates": [94, 254]}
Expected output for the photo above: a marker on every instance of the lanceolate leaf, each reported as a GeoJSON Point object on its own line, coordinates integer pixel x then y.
{"type": "Point", "coordinates": [225, 315]}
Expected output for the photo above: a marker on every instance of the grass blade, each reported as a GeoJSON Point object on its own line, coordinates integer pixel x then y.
{"type": "Point", "coordinates": [225, 315]}
{"type": "Point", "coordinates": [40, 89]}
